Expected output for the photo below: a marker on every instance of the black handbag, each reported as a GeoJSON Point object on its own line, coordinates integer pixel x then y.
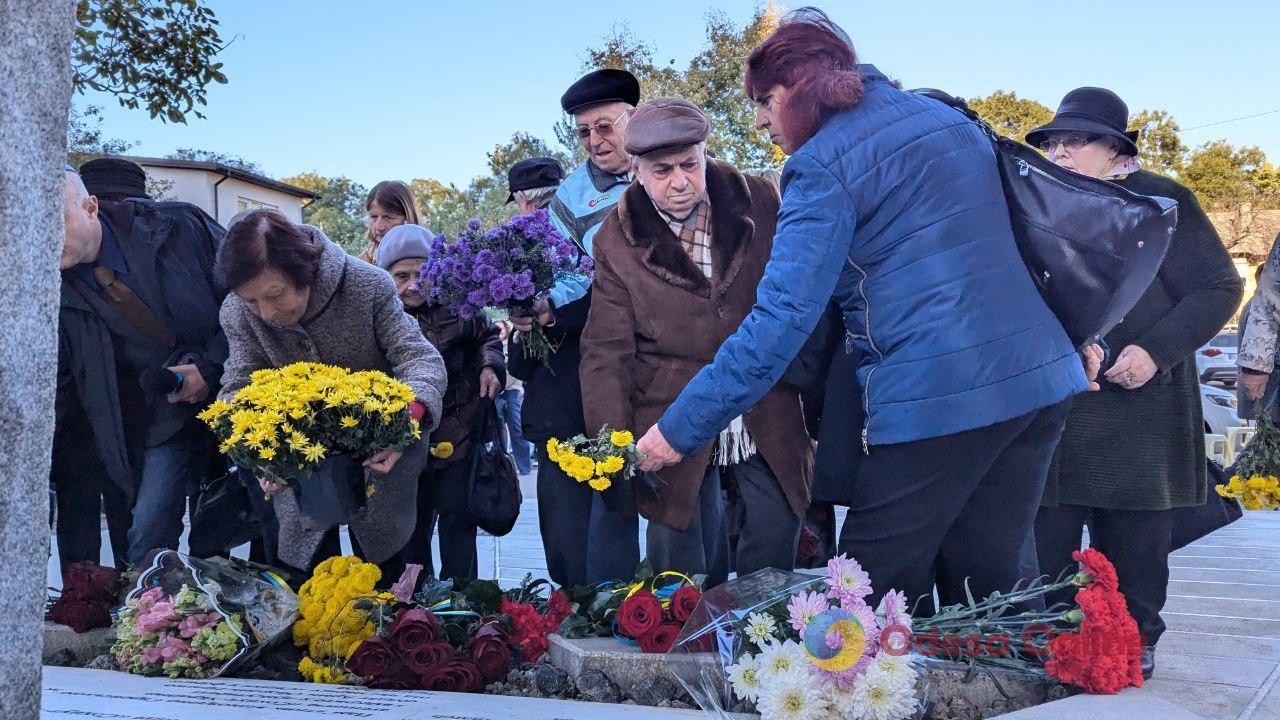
{"type": "Point", "coordinates": [1092, 247]}
{"type": "Point", "coordinates": [493, 489]}
{"type": "Point", "coordinates": [1192, 523]}
{"type": "Point", "coordinates": [229, 512]}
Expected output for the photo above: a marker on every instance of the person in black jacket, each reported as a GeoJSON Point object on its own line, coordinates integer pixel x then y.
{"type": "Point", "coordinates": [1134, 451]}
{"type": "Point", "coordinates": [138, 297]}
{"type": "Point", "coordinates": [472, 353]}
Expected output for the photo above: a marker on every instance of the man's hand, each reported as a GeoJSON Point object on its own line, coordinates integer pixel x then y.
{"type": "Point", "coordinates": [543, 315]}
{"type": "Point", "coordinates": [657, 452]}
{"type": "Point", "coordinates": [1255, 383]}
{"type": "Point", "coordinates": [193, 390]}
{"type": "Point", "coordinates": [1092, 356]}
{"type": "Point", "coordinates": [504, 330]}
{"type": "Point", "coordinates": [271, 486]}
{"type": "Point", "coordinates": [383, 460]}
{"type": "Point", "coordinates": [1133, 369]}
{"type": "Point", "coordinates": [489, 385]}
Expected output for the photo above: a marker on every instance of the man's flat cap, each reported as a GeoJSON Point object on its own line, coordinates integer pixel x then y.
{"type": "Point", "coordinates": [665, 123]}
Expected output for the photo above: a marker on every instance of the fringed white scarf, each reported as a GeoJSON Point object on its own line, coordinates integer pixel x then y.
{"type": "Point", "coordinates": [734, 444]}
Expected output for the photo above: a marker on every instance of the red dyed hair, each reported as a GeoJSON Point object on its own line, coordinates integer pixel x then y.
{"type": "Point", "coordinates": [818, 67]}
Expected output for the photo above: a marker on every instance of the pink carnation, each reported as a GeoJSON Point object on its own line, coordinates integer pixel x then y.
{"type": "Point", "coordinates": [158, 618]}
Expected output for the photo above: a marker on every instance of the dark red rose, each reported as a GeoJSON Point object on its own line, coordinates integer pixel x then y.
{"type": "Point", "coordinates": [403, 680]}
{"type": "Point", "coordinates": [532, 648]}
{"type": "Point", "coordinates": [492, 629]}
{"type": "Point", "coordinates": [428, 657]}
{"type": "Point", "coordinates": [491, 656]}
{"type": "Point", "coordinates": [414, 628]}
{"type": "Point", "coordinates": [457, 675]}
{"type": "Point", "coordinates": [639, 615]}
{"type": "Point", "coordinates": [375, 658]}
{"type": "Point", "coordinates": [683, 602]}
{"type": "Point", "coordinates": [80, 613]}
{"type": "Point", "coordinates": [91, 580]}
{"type": "Point", "coordinates": [661, 639]}
{"type": "Point", "coordinates": [808, 545]}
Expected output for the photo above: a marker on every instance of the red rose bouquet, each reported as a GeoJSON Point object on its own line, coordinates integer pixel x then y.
{"type": "Point", "coordinates": [89, 593]}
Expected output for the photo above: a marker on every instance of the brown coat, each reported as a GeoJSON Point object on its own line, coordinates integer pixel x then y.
{"type": "Point", "coordinates": [656, 321]}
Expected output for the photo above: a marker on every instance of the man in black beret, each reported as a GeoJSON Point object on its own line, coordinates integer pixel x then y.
{"type": "Point", "coordinates": [587, 537]}
{"type": "Point", "coordinates": [533, 182]}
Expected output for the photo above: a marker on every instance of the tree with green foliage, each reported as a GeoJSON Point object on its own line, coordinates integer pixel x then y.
{"type": "Point", "coordinates": [1224, 177]}
{"type": "Point", "coordinates": [339, 211]}
{"type": "Point", "coordinates": [1160, 147]}
{"type": "Point", "coordinates": [86, 140]}
{"type": "Point", "coordinates": [153, 53]}
{"type": "Point", "coordinates": [1010, 115]}
{"type": "Point", "coordinates": [221, 158]}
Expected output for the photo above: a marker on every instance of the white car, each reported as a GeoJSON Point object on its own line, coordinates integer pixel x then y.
{"type": "Point", "coordinates": [1219, 410]}
{"type": "Point", "coordinates": [1216, 361]}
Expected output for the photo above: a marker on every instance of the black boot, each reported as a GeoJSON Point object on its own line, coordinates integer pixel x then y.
{"type": "Point", "coordinates": [1148, 661]}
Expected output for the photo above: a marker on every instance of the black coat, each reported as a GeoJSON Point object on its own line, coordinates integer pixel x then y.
{"type": "Point", "coordinates": [552, 398]}
{"type": "Point", "coordinates": [1144, 449]}
{"type": "Point", "coordinates": [170, 249]}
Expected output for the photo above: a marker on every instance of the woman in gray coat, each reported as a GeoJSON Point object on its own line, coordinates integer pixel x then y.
{"type": "Point", "coordinates": [297, 297]}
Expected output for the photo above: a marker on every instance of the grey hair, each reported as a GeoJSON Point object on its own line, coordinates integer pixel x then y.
{"type": "Point", "coordinates": [539, 197]}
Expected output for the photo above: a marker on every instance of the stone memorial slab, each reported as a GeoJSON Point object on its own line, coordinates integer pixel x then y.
{"type": "Point", "coordinates": [75, 694]}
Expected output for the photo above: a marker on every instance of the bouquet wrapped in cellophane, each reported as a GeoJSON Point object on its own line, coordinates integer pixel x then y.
{"type": "Point", "coordinates": [191, 618]}
{"type": "Point", "coordinates": [1254, 480]}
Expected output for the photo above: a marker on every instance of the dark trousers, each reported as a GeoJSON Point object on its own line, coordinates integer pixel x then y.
{"type": "Point", "coordinates": [941, 510]}
{"type": "Point", "coordinates": [586, 539]}
{"type": "Point", "coordinates": [80, 506]}
{"type": "Point", "coordinates": [1135, 541]}
{"type": "Point", "coordinates": [168, 470]}
{"type": "Point", "coordinates": [442, 498]}
{"type": "Point", "coordinates": [702, 548]}
{"type": "Point", "coordinates": [510, 409]}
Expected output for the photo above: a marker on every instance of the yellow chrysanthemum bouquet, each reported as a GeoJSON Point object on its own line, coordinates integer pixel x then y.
{"type": "Point", "coordinates": [335, 607]}
{"type": "Point", "coordinates": [311, 426]}
{"type": "Point", "coordinates": [1254, 479]}
{"type": "Point", "coordinates": [609, 457]}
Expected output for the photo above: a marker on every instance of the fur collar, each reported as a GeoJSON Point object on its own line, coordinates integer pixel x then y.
{"type": "Point", "coordinates": [731, 231]}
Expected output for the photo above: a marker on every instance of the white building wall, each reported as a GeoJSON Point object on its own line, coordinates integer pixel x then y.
{"type": "Point", "coordinates": [232, 195]}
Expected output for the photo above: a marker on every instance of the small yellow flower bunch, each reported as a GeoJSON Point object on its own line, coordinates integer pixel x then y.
{"type": "Point", "coordinates": [599, 462]}
{"type": "Point", "coordinates": [1260, 492]}
{"type": "Point", "coordinates": [286, 421]}
{"type": "Point", "coordinates": [331, 623]}
{"type": "Point", "coordinates": [442, 450]}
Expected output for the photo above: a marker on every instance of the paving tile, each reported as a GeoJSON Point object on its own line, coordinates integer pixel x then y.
{"type": "Point", "coordinates": [1247, 551]}
{"type": "Point", "coordinates": [1222, 625]}
{"type": "Point", "coordinates": [1254, 577]}
{"type": "Point", "coordinates": [1208, 700]}
{"type": "Point", "coordinates": [1268, 707]}
{"type": "Point", "coordinates": [1220, 671]}
{"type": "Point", "coordinates": [1224, 562]}
{"type": "Point", "coordinates": [1259, 609]}
{"type": "Point", "coordinates": [1220, 646]}
{"type": "Point", "coordinates": [1232, 590]}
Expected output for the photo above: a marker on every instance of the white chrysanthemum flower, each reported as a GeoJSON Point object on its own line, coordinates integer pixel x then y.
{"type": "Point", "coordinates": [795, 696]}
{"type": "Point", "coordinates": [760, 628]}
{"type": "Point", "coordinates": [880, 696]}
{"type": "Point", "coordinates": [778, 659]}
{"type": "Point", "coordinates": [839, 702]}
{"type": "Point", "coordinates": [900, 667]}
{"type": "Point", "coordinates": [744, 675]}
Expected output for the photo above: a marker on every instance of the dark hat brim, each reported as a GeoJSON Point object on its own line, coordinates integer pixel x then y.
{"type": "Point", "coordinates": [1068, 123]}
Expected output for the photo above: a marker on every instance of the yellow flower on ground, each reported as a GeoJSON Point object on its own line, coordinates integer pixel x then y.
{"type": "Point", "coordinates": [349, 422]}
{"type": "Point", "coordinates": [621, 438]}
{"type": "Point", "coordinates": [611, 464]}
{"type": "Point", "coordinates": [442, 450]}
{"type": "Point", "coordinates": [600, 483]}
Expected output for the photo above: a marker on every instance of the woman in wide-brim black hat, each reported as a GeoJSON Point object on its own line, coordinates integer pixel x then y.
{"type": "Point", "coordinates": [1135, 450]}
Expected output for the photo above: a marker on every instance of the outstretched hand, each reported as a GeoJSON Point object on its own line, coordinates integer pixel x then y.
{"type": "Point", "coordinates": [656, 451]}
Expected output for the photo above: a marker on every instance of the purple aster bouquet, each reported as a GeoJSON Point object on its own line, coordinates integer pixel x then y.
{"type": "Point", "coordinates": [506, 268]}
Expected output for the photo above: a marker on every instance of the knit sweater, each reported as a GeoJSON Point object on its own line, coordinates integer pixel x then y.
{"type": "Point", "coordinates": [1143, 449]}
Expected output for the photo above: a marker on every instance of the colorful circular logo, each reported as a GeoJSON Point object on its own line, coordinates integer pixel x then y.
{"type": "Point", "coordinates": [853, 640]}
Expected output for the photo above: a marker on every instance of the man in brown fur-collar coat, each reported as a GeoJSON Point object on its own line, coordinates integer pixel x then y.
{"type": "Point", "coordinates": [677, 264]}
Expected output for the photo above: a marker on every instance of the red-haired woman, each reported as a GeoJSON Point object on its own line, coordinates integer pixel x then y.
{"type": "Point", "coordinates": [892, 206]}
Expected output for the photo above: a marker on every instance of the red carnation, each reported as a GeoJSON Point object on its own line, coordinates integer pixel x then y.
{"type": "Point", "coordinates": [491, 656]}
{"type": "Point", "coordinates": [375, 658]}
{"type": "Point", "coordinates": [428, 657]}
{"type": "Point", "coordinates": [1098, 567]}
{"type": "Point", "coordinates": [1104, 656]}
{"type": "Point", "coordinates": [661, 639]}
{"type": "Point", "coordinates": [639, 615]}
{"type": "Point", "coordinates": [414, 628]}
{"type": "Point", "coordinates": [558, 608]}
{"type": "Point", "coordinates": [685, 599]}
{"type": "Point", "coordinates": [534, 647]}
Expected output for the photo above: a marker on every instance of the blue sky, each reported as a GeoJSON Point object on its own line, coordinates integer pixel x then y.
{"type": "Point", "coordinates": [402, 88]}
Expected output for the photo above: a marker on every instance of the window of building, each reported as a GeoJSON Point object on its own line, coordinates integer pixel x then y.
{"type": "Point", "coordinates": [244, 203]}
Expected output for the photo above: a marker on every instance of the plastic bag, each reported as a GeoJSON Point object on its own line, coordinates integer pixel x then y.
{"type": "Point", "coordinates": [193, 618]}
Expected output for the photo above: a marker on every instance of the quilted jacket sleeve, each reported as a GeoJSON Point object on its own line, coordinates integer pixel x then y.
{"type": "Point", "coordinates": [815, 230]}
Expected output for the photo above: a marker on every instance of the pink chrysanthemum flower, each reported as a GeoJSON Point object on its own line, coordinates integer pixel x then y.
{"type": "Point", "coordinates": [893, 609]}
{"type": "Point", "coordinates": [804, 607]}
{"type": "Point", "coordinates": [847, 579]}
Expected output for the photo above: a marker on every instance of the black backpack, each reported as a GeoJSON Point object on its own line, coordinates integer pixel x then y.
{"type": "Point", "coordinates": [493, 498]}
{"type": "Point", "coordinates": [1092, 247]}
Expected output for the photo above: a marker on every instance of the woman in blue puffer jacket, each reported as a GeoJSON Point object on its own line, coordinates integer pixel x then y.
{"type": "Point", "coordinates": [891, 204]}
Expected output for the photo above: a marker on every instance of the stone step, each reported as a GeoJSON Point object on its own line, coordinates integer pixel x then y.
{"type": "Point", "coordinates": [1258, 609]}
{"type": "Point", "coordinates": [1222, 671]}
{"type": "Point", "coordinates": [1222, 562]}
{"type": "Point", "coordinates": [1131, 704]}
{"type": "Point", "coordinates": [1222, 625]}
{"type": "Point", "coordinates": [1232, 590]}
{"type": "Point", "coordinates": [1253, 577]}
{"type": "Point", "coordinates": [1210, 645]}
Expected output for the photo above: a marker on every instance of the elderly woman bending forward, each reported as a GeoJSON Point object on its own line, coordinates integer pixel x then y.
{"type": "Point", "coordinates": [297, 297]}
